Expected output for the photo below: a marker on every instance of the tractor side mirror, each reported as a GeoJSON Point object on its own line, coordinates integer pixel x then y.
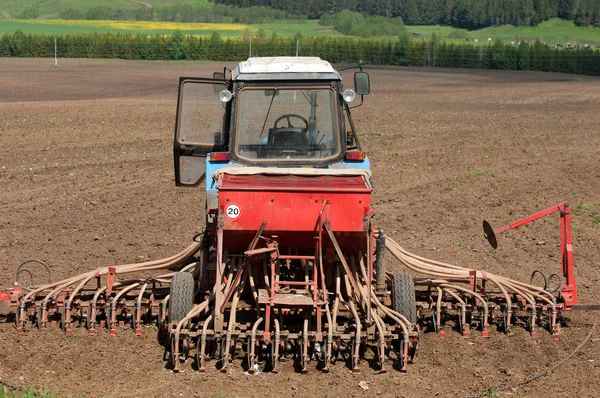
{"type": "Point", "coordinates": [362, 85]}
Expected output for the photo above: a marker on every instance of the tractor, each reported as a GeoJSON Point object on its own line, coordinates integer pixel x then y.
{"type": "Point", "coordinates": [288, 252]}
{"type": "Point", "coordinates": [290, 266]}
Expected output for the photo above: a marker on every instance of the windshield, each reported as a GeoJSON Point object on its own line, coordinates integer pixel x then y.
{"type": "Point", "coordinates": [285, 123]}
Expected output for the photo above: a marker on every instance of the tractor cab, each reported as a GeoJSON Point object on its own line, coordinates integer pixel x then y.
{"type": "Point", "coordinates": [282, 112]}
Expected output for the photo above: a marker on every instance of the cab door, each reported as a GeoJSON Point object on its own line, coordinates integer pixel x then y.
{"type": "Point", "coordinates": [200, 127]}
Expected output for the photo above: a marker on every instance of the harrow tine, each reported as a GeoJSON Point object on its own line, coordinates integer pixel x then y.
{"type": "Point", "coordinates": [381, 347]}
{"type": "Point", "coordinates": [113, 306]}
{"type": "Point", "coordinates": [355, 348]}
{"type": "Point", "coordinates": [137, 323]}
{"type": "Point", "coordinates": [93, 309]}
{"type": "Point", "coordinates": [252, 346]}
{"type": "Point", "coordinates": [202, 347]}
{"type": "Point", "coordinates": [438, 313]}
{"type": "Point", "coordinates": [275, 359]}
{"type": "Point", "coordinates": [304, 346]}
{"type": "Point", "coordinates": [485, 315]}
{"type": "Point", "coordinates": [232, 319]}
{"type": "Point", "coordinates": [464, 327]}
{"type": "Point", "coordinates": [328, 348]}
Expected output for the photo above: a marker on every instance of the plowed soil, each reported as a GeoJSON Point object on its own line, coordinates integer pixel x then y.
{"type": "Point", "coordinates": [86, 181]}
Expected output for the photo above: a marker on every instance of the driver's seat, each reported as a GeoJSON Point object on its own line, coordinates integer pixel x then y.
{"type": "Point", "coordinates": [284, 142]}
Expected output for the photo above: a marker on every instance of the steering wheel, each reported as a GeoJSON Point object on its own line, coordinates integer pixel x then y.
{"type": "Point", "coordinates": [289, 141]}
{"type": "Point", "coordinates": [288, 117]}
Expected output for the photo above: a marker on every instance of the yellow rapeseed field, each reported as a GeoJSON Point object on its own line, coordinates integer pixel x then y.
{"type": "Point", "coordinates": [143, 25]}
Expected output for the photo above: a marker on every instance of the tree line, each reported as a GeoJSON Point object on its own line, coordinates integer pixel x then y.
{"type": "Point", "coordinates": [356, 24]}
{"type": "Point", "coordinates": [221, 13]}
{"type": "Point", "coordinates": [402, 50]}
{"type": "Point", "coordinates": [467, 14]}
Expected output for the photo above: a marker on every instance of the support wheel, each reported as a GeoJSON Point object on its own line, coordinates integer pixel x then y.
{"type": "Point", "coordinates": [403, 296]}
{"type": "Point", "coordinates": [181, 297]}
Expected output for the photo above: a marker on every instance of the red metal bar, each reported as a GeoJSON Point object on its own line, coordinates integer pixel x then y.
{"type": "Point", "coordinates": [4, 296]}
{"type": "Point", "coordinates": [370, 272]}
{"type": "Point", "coordinates": [218, 316]}
{"type": "Point", "coordinates": [293, 183]}
{"type": "Point", "coordinates": [533, 217]}
{"type": "Point", "coordinates": [569, 288]}
{"type": "Point", "coordinates": [294, 283]}
{"type": "Point", "coordinates": [315, 280]}
{"type": "Point", "coordinates": [110, 280]}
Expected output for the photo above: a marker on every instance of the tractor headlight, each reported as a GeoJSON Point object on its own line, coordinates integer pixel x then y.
{"type": "Point", "coordinates": [225, 96]}
{"type": "Point", "coordinates": [349, 95]}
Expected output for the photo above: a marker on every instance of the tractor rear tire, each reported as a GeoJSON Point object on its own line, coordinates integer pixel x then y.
{"type": "Point", "coordinates": [403, 296]}
{"type": "Point", "coordinates": [181, 297]}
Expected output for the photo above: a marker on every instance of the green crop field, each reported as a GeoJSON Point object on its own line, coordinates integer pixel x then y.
{"type": "Point", "coordinates": [64, 27]}
{"type": "Point", "coordinates": [552, 31]}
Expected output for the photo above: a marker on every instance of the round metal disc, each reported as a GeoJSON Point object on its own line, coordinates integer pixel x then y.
{"type": "Point", "coordinates": [489, 234]}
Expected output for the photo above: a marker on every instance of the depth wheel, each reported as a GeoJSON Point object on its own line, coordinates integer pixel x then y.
{"type": "Point", "coordinates": [403, 296]}
{"type": "Point", "coordinates": [181, 296]}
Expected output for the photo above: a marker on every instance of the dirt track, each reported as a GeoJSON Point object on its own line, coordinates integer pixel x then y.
{"type": "Point", "coordinates": [87, 181]}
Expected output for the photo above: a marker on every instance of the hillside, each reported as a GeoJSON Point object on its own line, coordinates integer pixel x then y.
{"type": "Point", "coordinates": [46, 9]}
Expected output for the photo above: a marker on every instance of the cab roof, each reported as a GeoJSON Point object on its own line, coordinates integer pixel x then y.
{"type": "Point", "coordinates": [285, 68]}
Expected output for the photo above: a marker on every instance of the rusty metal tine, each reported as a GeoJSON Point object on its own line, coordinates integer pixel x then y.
{"type": "Point", "coordinates": [202, 346]}
{"type": "Point", "coordinates": [304, 356]}
{"type": "Point", "coordinates": [138, 310]}
{"type": "Point", "coordinates": [275, 359]}
{"type": "Point", "coordinates": [336, 245]}
{"type": "Point", "coordinates": [234, 285]}
{"type": "Point", "coordinates": [438, 313]}
{"type": "Point", "coordinates": [253, 345]}
{"type": "Point", "coordinates": [93, 305]}
{"type": "Point", "coordinates": [260, 251]}
{"type": "Point", "coordinates": [357, 338]}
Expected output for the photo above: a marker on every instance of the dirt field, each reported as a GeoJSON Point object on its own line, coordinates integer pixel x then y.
{"type": "Point", "coordinates": [87, 181]}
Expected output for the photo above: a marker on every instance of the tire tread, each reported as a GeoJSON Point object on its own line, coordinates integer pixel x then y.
{"type": "Point", "coordinates": [403, 296]}
{"type": "Point", "coordinates": [181, 297]}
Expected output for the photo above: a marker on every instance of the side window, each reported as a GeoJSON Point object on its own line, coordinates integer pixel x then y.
{"type": "Point", "coordinates": [200, 113]}
{"type": "Point", "coordinates": [198, 128]}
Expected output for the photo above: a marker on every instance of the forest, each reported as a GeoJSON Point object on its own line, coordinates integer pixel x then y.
{"type": "Point", "coordinates": [182, 13]}
{"type": "Point", "coordinates": [468, 14]}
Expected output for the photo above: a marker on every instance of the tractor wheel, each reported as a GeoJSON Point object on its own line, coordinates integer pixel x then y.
{"type": "Point", "coordinates": [181, 297]}
{"type": "Point", "coordinates": [403, 296]}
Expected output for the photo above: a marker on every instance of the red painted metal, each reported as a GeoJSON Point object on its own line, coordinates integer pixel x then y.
{"type": "Point", "coordinates": [324, 183]}
{"type": "Point", "coordinates": [293, 203]}
{"type": "Point", "coordinates": [110, 280]}
{"type": "Point", "coordinates": [569, 288]}
{"type": "Point", "coordinates": [11, 296]}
